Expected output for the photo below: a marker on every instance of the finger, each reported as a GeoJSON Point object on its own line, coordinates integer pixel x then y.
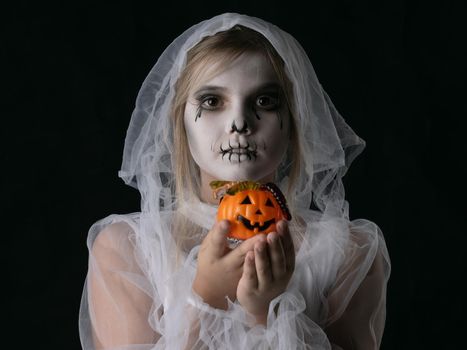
{"type": "Point", "coordinates": [249, 276]}
{"type": "Point", "coordinates": [287, 244]}
{"type": "Point", "coordinates": [217, 238]}
{"type": "Point", "coordinates": [263, 264]}
{"type": "Point", "coordinates": [277, 255]}
{"type": "Point", "coordinates": [237, 256]}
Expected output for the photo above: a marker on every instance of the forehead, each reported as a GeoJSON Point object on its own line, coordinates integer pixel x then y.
{"type": "Point", "coordinates": [250, 68]}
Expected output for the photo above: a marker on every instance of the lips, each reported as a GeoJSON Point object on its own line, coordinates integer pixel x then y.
{"type": "Point", "coordinates": [256, 226]}
{"type": "Point", "coordinates": [239, 153]}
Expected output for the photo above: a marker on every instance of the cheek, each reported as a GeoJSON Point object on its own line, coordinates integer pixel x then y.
{"type": "Point", "coordinates": [208, 128]}
{"type": "Point", "coordinates": [195, 132]}
{"type": "Point", "coordinates": [192, 134]}
{"type": "Point", "coordinates": [285, 116]}
{"type": "Point", "coordinates": [275, 124]}
{"type": "Point", "coordinates": [277, 138]}
{"type": "Point", "coordinates": [202, 138]}
{"type": "Point", "coordinates": [284, 137]}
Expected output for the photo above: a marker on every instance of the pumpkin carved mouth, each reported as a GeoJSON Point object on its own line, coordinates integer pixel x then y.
{"type": "Point", "coordinates": [256, 226]}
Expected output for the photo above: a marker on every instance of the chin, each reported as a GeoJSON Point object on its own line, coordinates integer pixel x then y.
{"type": "Point", "coordinates": [236, 174]}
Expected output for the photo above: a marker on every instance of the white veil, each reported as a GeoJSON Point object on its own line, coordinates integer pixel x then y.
{"type": "Point", "coordinates": [137, 296]}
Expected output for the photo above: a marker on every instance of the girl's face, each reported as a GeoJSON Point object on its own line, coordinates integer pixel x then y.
{"type": "Point", "coordinates": [237, 121]}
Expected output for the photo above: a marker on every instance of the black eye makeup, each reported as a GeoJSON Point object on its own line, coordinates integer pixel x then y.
{"type": "Point", "coordinates": [208, 102]}
{"type": "Point", "coordinates": [268, 101]}
{"type": "Point", "coordinates": [266, 98]}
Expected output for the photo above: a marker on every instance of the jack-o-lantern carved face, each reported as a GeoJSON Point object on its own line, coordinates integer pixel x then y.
{"type": "Point", "coordinates": [250, 212]}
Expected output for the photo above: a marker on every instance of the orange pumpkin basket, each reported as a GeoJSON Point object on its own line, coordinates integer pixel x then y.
{"type": "Point", "coordinates": [252, 208]}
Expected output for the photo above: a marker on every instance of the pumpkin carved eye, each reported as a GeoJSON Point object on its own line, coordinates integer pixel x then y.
{"type": "Point", "coordinates": [246, 200]}
{"type": "Point", "coordinates": [269, 203]}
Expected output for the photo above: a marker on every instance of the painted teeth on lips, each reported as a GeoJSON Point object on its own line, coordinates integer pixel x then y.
{"type": "Point", "coordinates": [240, 150]}
{"type": "Point", "coordinates": [245, 145]}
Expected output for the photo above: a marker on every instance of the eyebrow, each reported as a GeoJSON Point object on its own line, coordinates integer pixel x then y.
{"type": "Point", "coordinates": [269, 86]}
{"type": "Point", "coordinates": [206, 89]}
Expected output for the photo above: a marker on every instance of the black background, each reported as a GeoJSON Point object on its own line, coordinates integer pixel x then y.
{"type": "Point", "coordinates": [70, 73]}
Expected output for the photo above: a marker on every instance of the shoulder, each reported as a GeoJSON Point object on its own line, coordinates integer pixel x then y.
{"type": "Point", "coordinates": [367, 237]}
{"type": "Point", "coordinates": [114, 232]}
{"type": "Point", "coordinates": [112, 244]}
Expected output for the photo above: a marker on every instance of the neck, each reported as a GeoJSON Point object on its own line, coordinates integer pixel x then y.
{"type": "Point", "coordinates": [206, 190]}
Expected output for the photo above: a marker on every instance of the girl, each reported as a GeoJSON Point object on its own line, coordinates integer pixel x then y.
{"type": "Point", "coordinates": [235, 98]}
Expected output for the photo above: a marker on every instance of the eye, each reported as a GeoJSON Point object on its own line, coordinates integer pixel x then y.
{"type": "Point", "coordinates": [269, 203]}
{"type": "Point", "coordinates": [267, 102]}
{"type": "Point", "coordinates": [246, 200]}
{"type": "Point", "coordinates": [210, 102]}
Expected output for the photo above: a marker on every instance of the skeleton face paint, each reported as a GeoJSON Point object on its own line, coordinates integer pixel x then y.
{"type": "Point", "coordinates": [237, 122]}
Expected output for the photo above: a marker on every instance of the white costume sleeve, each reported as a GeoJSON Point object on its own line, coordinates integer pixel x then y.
{"type": "Point", "coordinates": [357, 301]}
{"type": "Point", "coordinates": [117, 298]}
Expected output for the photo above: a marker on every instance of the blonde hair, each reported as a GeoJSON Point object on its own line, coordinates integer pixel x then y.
{"type": "Point", "coordinates": [222, 47]}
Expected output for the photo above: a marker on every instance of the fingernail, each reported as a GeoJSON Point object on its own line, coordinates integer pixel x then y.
{"type": "Point", "coordinates": [224, 225]}
{"type": "Point", "coordinates": [272, 237]}
{"type": "Point", "coordinates": [280, 227]}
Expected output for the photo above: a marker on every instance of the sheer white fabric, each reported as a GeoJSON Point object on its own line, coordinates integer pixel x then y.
{"type": "Point", "coordinates": [138, 291]}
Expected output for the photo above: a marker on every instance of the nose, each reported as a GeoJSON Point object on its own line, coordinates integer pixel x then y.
{"type": "Point", "coordinates": [239, 122]}
{"type": "Point", "coordinates": [242, 130]}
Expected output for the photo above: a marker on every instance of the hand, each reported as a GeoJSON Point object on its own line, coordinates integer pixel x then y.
{"type": "Point", "coordinates": [266, 272]}
{"type": "Point", "coordinates": [220, 268]}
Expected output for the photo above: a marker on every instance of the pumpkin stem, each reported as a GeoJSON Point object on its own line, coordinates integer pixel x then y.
{"type": "Point", "coordinates": [243, 186]}
{"type": "Point", "coordinates": [220, 188]}
{"type": "Point", "coordinates": [217, 183]}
